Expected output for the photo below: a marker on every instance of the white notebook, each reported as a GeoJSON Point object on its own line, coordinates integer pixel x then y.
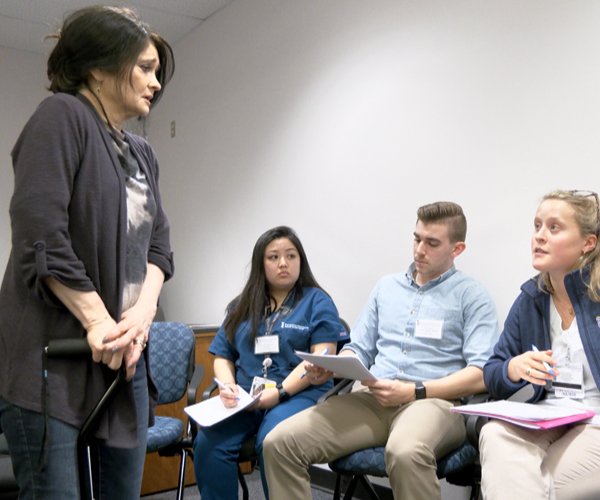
{"type": "Point", "coordinates": [212, 411]}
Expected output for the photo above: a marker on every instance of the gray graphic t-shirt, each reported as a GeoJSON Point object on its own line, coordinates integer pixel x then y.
{"type": "Point", "coordinates": [141, 211]}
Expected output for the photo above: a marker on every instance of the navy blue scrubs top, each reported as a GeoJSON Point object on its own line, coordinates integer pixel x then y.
{"type": "Point", "coordinates": [314, 320]}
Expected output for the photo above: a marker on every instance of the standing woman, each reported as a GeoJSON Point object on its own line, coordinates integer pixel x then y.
{"type": "Point", "coordinates": [90, 252]}
{"type": "Point", "coordinates": [282, 308]}
{"type": "Point", "coordinates": [559, 313]}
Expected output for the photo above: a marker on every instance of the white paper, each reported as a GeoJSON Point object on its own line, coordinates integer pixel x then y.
{"type": "Point", "coordinates": [344, 366]}
{"type": "Point", "coordinates": [212, 411]}
{"type": "Point", "coordinates": [519, 411]}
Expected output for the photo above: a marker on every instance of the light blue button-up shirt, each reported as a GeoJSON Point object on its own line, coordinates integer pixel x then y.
{"type": "Point", "coordinates": [384, 335]}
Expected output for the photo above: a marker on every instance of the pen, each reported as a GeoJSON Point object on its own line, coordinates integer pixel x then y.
{"type": "Point", "coordinates": [322, 354]}
{"type": "Point", "coordinates": [223, 386]}
{"type": "Point", "coordinates": [546, 365]}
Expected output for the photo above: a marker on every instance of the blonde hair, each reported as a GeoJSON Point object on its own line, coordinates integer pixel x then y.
{"type": "Point", "coordinates": [587, 216]}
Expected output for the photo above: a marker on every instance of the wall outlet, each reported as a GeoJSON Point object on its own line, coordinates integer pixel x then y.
{"type": "Point", "coordinates": [173, 129]}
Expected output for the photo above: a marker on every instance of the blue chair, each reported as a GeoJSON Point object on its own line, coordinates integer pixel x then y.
{"type": "Point", "coordinates": [460, 467]}
{"type": "Point", "coordinates": [172, 359]}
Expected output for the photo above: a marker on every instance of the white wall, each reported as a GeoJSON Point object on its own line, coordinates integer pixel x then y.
{"type": "Point", "coordinates": [22, 80]}
{"type": "Point", "coordinates": [340, 118]}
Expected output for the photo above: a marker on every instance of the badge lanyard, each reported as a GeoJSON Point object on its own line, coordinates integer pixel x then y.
{"type": "Point", "coordinates": [270, 321]}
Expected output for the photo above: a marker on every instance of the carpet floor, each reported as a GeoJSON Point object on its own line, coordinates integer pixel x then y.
{"type": "Point", "coordinates": [254, 488]}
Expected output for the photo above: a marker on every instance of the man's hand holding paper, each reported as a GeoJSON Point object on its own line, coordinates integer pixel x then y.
{"type": "Point", "coordinates": [391, 392]}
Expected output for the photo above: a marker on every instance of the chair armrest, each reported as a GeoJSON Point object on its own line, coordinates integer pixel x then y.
{"type": "Point", "coordinates": [195, 384]}
{"type": "Point", "coordinates": [340, 388]}
{"type": "Point", "coordinates": [474, 423]}
{"type": "Point", "coordinates": [208, 391]}
{"type": "Point", "coordinates": [192, 427]}
{"type": "Point", "coordinates": [482, 397]}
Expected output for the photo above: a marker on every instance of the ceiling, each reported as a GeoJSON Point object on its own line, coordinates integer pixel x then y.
{"type": "Point", "coordinates": [25, 23]}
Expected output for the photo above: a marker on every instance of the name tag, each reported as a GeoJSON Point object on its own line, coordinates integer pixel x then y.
{"type": "Point", "coordinates": [267, 344]}
{"type": "Point", "coordinates": [569, 384]}
{"type": "Point", "coordinates": [259, 384]}
{"type": "Point", "coordinates": [429, 328]}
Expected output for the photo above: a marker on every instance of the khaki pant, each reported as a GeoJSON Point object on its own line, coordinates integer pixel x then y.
{"type": "Point", "coordinates": [561, 463]}
{"type": "Point", "coordinates": [414, 436]}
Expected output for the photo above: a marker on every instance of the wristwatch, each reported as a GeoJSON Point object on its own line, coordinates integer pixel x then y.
{"type": "Point", "coordinates": [283, 394]}
{"type": "Point", "coordinates": [420, 391]}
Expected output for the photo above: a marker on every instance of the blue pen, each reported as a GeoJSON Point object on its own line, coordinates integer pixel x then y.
{"type": "Point", "coordinates": [223, 386]}
{"type": "Point", "coordinates": [322, 354]}
{"type": "Point", "coordinates": [546, 365]}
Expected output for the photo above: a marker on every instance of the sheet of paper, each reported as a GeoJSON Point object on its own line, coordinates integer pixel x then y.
{"type": "Point", "coordinates": [212, 411]}
{"type": "Point", "coordinates": [526, 412]}
{"type": "Point", "coordinates": [344, 366]}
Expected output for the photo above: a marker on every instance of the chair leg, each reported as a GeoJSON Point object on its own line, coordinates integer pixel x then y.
{"type": "Point", "coordinates": [181, 482]}
{"type": "Point", "coordinates": [351, 487]}
{"type": "Point", "coordinates": [245, 493]}
{"type": "Point", "coordinates": [337, 493]}
{"type": "Point", "coordinates": [369, 487]}
{"type": "Point", "coordinates": [366, 485]}
{"type": "Point", "coordinates": [475, 490]}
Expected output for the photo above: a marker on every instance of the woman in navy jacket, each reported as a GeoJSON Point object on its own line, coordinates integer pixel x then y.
{"type": "Point", "coordinates": [90, 252]}
{"type": "Point", "coordinates": [558, 312]}
{"type": "Point", "coordinates": [282, 305]}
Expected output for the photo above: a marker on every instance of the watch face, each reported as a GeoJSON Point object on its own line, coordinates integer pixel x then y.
{"type": "Point", "coordinates": [420, 392]}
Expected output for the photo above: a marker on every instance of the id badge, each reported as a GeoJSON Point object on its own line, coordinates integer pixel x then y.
{"type": "Point", "coordinates": [569, 384]}
{"type": "Point", "coordinates": [259, 384]}
{"type": "Point", "coordinates": [267, 344]}
{"type": "Point", "coordinates": [429, 328]}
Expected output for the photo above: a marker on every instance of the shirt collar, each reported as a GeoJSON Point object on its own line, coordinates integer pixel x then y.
{"type": "Point", "coordinates": [443, 277]}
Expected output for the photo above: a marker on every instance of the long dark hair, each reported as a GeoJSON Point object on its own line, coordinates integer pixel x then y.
{"type": "Point", "coordinates": [252, 303]}
{"type": "Point", "coordinates": [106, 38]}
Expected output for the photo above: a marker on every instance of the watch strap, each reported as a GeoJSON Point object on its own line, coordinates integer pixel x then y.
{"type": "Point", "coordinates": [283, 394]}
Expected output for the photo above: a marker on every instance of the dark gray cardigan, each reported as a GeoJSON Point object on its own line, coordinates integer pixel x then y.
{"type": "Point", "coordinates": [69, 221]}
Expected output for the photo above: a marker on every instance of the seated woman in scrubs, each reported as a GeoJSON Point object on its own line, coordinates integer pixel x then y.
{"type": "Point", "coordinates": [281, 309]}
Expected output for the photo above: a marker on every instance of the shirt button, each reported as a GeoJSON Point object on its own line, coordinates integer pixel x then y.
{"type": "Point", "coordinates": [402, 371]}
{"type": "Point", "coordinates": [408, 334]}
{"type": "Point", "coordinates": [420, 292]}
{"type": "Point", "coordinates": [412, 312]}
{"type": "Point", "coordinates": [404, 351]}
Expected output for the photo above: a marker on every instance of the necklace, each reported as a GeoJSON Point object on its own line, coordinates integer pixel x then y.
{"type": "Point", "coordinates": [560, 305]}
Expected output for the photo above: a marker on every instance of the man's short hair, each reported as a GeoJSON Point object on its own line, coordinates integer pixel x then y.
{"type": "Point", "coordinates": [445, 212]}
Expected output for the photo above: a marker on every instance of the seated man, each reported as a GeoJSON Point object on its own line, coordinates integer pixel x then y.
{"type": "Point", "coordinates": [425, 334]}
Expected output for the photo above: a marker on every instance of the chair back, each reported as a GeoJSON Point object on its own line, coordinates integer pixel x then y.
{"type": "Point", "coordinates": [172, 355]}
{"type": "Point", "coordinates": [343, 342]}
